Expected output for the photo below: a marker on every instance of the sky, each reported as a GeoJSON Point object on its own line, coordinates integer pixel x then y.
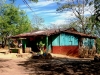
{"type": "Point", "coordinates": [46, 9]}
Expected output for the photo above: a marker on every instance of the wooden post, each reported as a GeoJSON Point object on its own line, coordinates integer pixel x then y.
{"type": "Point", "coordinates": [47, 44]}
{"type": "Point", "coordinates": [23, 45]}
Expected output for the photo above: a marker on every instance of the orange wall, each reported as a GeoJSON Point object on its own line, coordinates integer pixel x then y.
{"type": "Point", "coordinates": [66, 50]}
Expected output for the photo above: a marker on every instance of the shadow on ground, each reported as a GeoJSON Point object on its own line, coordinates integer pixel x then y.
{"type": "Point", "coordinates": [61, 66]}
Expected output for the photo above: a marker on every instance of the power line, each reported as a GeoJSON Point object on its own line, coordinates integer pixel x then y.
{"type": "Point", "coordinates": [34, 16]}
{"type": "Point", "coordinates": [28, 6]}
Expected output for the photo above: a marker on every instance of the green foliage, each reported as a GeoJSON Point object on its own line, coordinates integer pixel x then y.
{"type": "Point", "coordinates": [97, 8]}
{"type": "Point", "coordinates": [98, 45]}
{"type": "Point", "coordinates": [97, 17]}
{"type": "Point", "coordinates": [13, 21]}
{"type": "Point", "coordinates": [40, 45]}
{"type": "Point", "coordinates": [34, 0]}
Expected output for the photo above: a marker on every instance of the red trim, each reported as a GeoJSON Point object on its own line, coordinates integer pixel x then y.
{"type": "Point", "coordinates": [66, 50]}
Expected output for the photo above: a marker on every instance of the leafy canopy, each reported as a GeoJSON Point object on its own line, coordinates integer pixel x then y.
{"type": "Point", "coordinates": [13, 20]}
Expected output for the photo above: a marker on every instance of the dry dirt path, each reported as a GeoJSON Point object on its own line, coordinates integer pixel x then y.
{"type": "Point", "coordinates": [10, 64]}
{"type": "Point", "coordinates": [12, 67]}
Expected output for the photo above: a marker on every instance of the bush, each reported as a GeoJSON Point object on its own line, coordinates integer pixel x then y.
{"type": "Point", "coordinates": [98, 45]}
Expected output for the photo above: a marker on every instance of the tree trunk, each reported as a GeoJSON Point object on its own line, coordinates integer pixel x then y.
{"type": "Point", "coordinates": [3, 43]}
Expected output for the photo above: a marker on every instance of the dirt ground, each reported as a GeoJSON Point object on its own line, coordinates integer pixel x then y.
{"type": "Point", "coordinates": [62, 66]}
{"type": "Point", "coordinates": [9, 64]}
{"type": "Point", "coordinates": [15, 64]}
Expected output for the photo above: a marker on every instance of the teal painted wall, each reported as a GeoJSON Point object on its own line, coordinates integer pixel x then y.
{"type": "Point", "coordinates": [68, 39]}
{"type": "Point", "coordinates": [88, 42]}
{"type": "Point", "coordinates": [55, 40]}
{"type": "Point", "coordinates": [64, 40]}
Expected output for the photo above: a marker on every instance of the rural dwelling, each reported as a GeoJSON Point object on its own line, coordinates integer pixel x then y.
{"type": "Point", "coordinates": [60, 41]}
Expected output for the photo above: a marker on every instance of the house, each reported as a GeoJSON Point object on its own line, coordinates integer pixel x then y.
{"type": "Point", "coordinates": [60, 41]}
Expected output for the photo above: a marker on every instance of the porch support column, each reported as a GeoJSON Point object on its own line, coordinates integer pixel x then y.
{"type": "Point", "coordinates": [23, 45]}
{"type": "Point", "coordinates": [47, 50]}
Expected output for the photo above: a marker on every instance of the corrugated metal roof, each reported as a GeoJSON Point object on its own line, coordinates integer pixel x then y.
{"type": "Point", "coordinates": [80, 34]}
{"type": "Point", "coordinates": [51, 32]}
{"type": "Point", "coordinates": [37, 33]}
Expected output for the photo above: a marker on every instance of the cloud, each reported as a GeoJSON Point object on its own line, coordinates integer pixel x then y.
{"type": "Point", "coordinates": [59, 22]}
{"type": "Point", "coordinates": [41, 7]}
{"type": "Point", "coordinates": [56, 18]}
{"type": "Point", "coordinates": [69, 16]}
{"type": "Point", "coordinates": [65, 15]}
{"type": "Point", "coordinates": [39, 4]}
{"type": "Point", "coordinates": [27, 10]}
{"type": "Point", "coordinates": [89, 10]}
{"type": "Point", "coordinates": [45, 10]}
{"type": "Point", "coordinates": [62, 18]}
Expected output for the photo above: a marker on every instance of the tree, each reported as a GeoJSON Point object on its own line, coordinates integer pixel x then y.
{"type": "Point", "coordinates": [97, 16]}
{"type": "Point", "coordinates": [13, 21]}
{"type": "Point", "coordinates": [24, 25]}
{"type": "Point", "coordinates": [37, 22]}
{"type": "Point", "coordinates": [97, 19]}
{"type": "Point", "coordinates": [78, 7]}
{"type": "Point", "coordinates": [97, 8]}
{"type": "Point", "coordinates": [2, 2]}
